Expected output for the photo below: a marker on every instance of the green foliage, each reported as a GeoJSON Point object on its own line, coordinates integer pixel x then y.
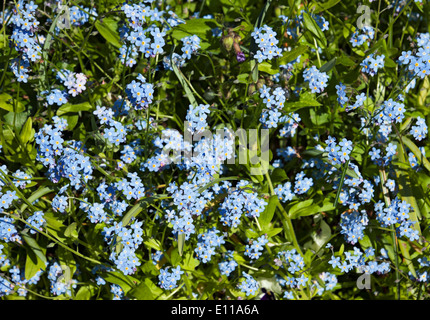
{"type": "Point", "coordinates": [310, 223]}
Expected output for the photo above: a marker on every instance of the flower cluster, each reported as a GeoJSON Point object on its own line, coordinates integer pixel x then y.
{"type": "Point", "coordinates": [25, 40]}
{"type": "Point", "coordinates": [353, 224]}
{"type": "Point", "coordinates": [130, 240]}
{"type": "Point", "coordinates": [8, 232]}
{"type": "Point", "coordinates": [341, 94]}
{"type": "Point", "coordinates": [355, 191]}
{"type": "Point", "coordinates": [19, 280]}
{"type": "Point", "coordinates": [418, 62]}
{"type": "Point", "coordinates": [168, 141]}
{"type": "Point", "coordinates": [74, 82]}
{"type": "Point", "coordinates": [4, 261]}
{"type": "Point", "coordinates": [168, 279]}
{"type": "Point", "coordinates": [371, 65]}
{"type": "Point", "coordinates": [291, 260]}
{"type": "Point", "coordinates": [378, 159]}
{"type": "Point", "coordinates": [359, 38]}
{"type": "Point", "coordinates": [423, 272]}
{"type": "Point", "coordinates": [294, 263]}
{"type": "Point", "coordinates": [321, 22]}
{"type": "Point", "coordinates": [249, 286]}
{"type": "Point", "coordinates": [140, 93]}
{"type": "Point", "coordinates": [290, 126]}
{"type": "Point", "coordinates": [62, 162]}
{"type": "Point", "coordinates": [338, 154]}
{"type": "Point", "coordinates": [21, 179]}
{"type": "Point", "coordinates": [55, 96]}
{"type": "Point", "coordinates": [265, 39]}
{"type": "Point", "coordinates": [271, 117]}
{"type": "Point", "coordinates": [196, 118]}
{"type": "Point", "coordinates": [207, 243]}
{"type": "Point", "coordinates": [397, 213]}
{"type": "Point", "coordinates": [36, 221]}
{"type": "Point", "coordinates": [58, 281]}
{"type": "Point", "coordinates": [228, 265]}
{"type": "Point", "coordinates": [317, 80]}
{"type": "Point", "coordinates": [357, 259]}
{"type": "Point", "coordinates": [330, 281]}
{"type": "Point", "coordinates": [114, 131]}
{"type": "Point", "coordinates": [419, 131]}
{"type": "Point", "coordinates": [79, 17]}
{"type": "Point", "coordinates": [156, 256]}
{"type": "Point", "coordinates": [190, 45]}
{"type": "Point", "coordinates": [284, 192]}
{"type": "Point", "coordinates": [256, 247]}
{"type": "Point", "coordinates": [302, 183]}
{"type": "Point", "coordinates": [240, 202]}
{"type": "Point", "coordinates": [188, 202]}
{"type": "Point", "coordinates": [141, 21]}
{"type": "Point", "coordinates": [132, 189]}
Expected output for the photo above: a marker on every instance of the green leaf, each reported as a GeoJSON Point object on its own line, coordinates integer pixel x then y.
{"type": "Point", "coordinates": [175, 257]}
{"type": "Point", "coordinates": [278, 175]}
{"type": "Point", "coordinates": [311, 25]}
{"type": "Point", "coordinates": [27, 131]}
{"type": "Point", "coordinates": [308, 208]}
{"type": "Point", "coordinates": [216, 181]}
{"type": "Point", "coordinates": [328, 66]}
{"type": "Point", "coordinates": [85, 292]}
{"type": "Point", "coordinates": [238, 258]}
{"type": "Point", "coordinates": [153, 243]}
{"type": "Point", "coordinates": [270, 284]}
{"type": "Point", "coordinates": [55, 227]}
{"type": "Point", "coordinates": [181, 243]}
{"type": "Point", "coordinates": [70, 231]}
{"type": "Point", "coordinates": [321, 236]}
{"type": "Point", "coordinates": [72, 121]}
{"type": "Point", "coordinates": [342, 248]}
{"type": "Point", "coordinates": [125, 282]}
{"type": "Point", "coordinates": [406, 191]}
{"type": "Point", "coordinates": [67, 264]}
{"type": "Point", "coordinates": [306, 100]}
{"type": "Point", "coordinates": [84, 106]}
{"type": "Point", "coordinates": [189, 262]}
{"type": "Point", "coordinates": [254, 70]}
{"type": "Point", "coordinates": [416, 151]}
{"type": "Point", "coordinates": [389, 63]}
{"type": "Point", "coordinates": [268, 68]}
{"type": "Point", "coordinates": [141, 292]}
{"type": "Point", "coordinates": [404, 248]}
{"type": "Point", "coordinates": [273, 232]}
{"type": "Point", "coordinates": [4, 39]}
{"type": "Point", "coordinates": [243, 78]}
{"type": "Point", "coordinates": [184, 84]}
{"type": "Point", "coordinates": [133, 212]}
{"type": "Point", "coordinates": [267, 215]}
{"type": "Point", "coordinates": [345, 61]}
{"type": "Point", "coordinates": [199, 27]}
{"type": "Point", "coordinates": [36, 195]}
{"type": "Point", "coordinates": [108, 31]}
{"type": "Point", "coordinates": [7, 101]}
{"type": "Point", "coordinates": [289, 56]}
{"type": "Point", "coordinates": [323, 6]}
{"type": "Point", "coordinates": [32, 265]}
{"type": "Point", "coordinates": [36, 258]}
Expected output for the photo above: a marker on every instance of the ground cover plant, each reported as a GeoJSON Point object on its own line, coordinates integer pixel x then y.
{"type": "Point", "coordinates": [214, 149]}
